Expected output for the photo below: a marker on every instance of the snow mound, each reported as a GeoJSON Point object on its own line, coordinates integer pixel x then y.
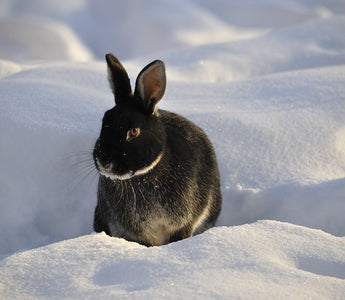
{"type": "Point", "coordinates": [271, 13]}
{"type": "Point", "coordinates": [134, 28]}
{"type": "Point", "coordinates": [8, 68]}
{"type": "Point", "coordinates": [271, 134]}
{"type": "Point", "coordinates": [35, 39]}
{"type": "Point", "coordinates": [265, 79]}
{"type": "Point", "coordinates": [318, 206]}
{"type": "Point", "coordinates": [312, 44]}
{"type": "Point", "coordinates": [273, 130]}
{"type": "Point", "coordinates": [262, 260]}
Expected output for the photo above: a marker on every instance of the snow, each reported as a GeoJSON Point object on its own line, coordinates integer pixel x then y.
{"type": "Point", "coordinates": [264, 259]}
{"type": "Point", "coordinates": [265, 79]}
{"type": "Point", "coordinates": [277, 51]}
{"type": "Point", "coordinates": [37, 39]}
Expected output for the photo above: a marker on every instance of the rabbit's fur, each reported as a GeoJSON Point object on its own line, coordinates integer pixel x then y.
{"type": "Point", "coordinates": [159, 180]}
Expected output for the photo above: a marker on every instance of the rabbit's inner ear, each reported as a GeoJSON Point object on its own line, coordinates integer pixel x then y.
{"type": "Point", "coordinates": [151, 83]}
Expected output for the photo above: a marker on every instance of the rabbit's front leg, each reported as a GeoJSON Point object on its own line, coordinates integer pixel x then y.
{"type": "Point", "coordinates": [98, 223]}
{"type": "Point", "coordinates": [181, 234]}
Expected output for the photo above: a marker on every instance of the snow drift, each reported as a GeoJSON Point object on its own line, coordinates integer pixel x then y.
{"type": "Point", "coordinates": [263, 260]}
{"type": "Point", "coordinates": [269, 90]}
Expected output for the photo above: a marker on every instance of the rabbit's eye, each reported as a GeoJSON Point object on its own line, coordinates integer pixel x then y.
{"type": "Point", "coordinates": [135, 132]}
{"type": "Point", "coordinates": [132, 133]}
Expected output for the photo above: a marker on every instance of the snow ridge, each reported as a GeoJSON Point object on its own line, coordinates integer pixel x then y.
{"type": "Point", "coordinates": [265, 80]}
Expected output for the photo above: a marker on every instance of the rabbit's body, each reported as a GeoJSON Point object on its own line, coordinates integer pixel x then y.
{"type": "Point", "coordinates": [159, 180]}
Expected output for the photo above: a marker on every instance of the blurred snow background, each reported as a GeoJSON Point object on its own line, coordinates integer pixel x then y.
{"type": "Point", "coordinates": [266, 81]}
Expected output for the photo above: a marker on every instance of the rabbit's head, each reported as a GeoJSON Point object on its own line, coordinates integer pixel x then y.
{"type": "Point", "coordinates": [132, 138]}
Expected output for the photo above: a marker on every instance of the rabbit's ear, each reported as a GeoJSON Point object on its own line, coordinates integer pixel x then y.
{"type": "Point", "coordinates": [150, 85]}
{"type": "Point", "coordinates": [118, 78]}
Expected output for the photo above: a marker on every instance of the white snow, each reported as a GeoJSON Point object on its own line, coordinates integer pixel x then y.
{"type": "Point", "coordinates": [265, 79]}
{"type": "Point", "coordinates": [25, 39]}
{"type": "Point", "coordinates": [262, 260]}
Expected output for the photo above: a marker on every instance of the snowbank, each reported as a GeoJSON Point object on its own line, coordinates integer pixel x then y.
{"type": "Point", "coordinates": [269, 136]}
{"type": "Point", "coordinates": [266, 80]}
{"type": "Point", "coordinates": [8, 68]}
{"type": "Point", "coordinates": [258, 261]}
{"type": "Point", "coordinates": [312, 44]}
{"type": "Point", "coordinates": [26, 39]}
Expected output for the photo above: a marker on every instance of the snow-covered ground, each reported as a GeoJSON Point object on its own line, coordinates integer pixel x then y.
{"type": "Point", "coordinates": [266, 81]}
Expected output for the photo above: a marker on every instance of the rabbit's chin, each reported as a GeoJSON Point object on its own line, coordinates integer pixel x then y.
{"type": "Point", "coordinates": [115, 176]}
{"type": "Point", "coordinates": [109, 174]}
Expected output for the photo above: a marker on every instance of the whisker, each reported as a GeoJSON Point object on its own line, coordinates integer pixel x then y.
{"type": "Point", "coordinates": [78, 154]}
{"type": "Point", "coordinates": [91, 172]}
{"type": "Point", "coordinates": [81, 162]}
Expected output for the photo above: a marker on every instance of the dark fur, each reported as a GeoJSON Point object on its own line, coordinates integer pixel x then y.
{"type": "Point", "coordinates": [163, 204]}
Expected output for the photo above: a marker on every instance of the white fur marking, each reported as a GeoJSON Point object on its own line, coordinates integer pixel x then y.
{"type": "Point", "coordinates": [202, 217]}
{"type": "Point", "coordinates": [107, 171]}
{"type": "Point", "coordinates": [116, 177]}
{"type": "Point", "coordinates": [150, 167]}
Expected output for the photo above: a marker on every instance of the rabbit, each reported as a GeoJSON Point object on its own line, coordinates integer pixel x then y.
{"type": "Point", "coordinates": [159, 180]}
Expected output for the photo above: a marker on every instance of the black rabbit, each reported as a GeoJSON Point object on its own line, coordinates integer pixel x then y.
{"type": "Point", "coordinates": [159, 179]}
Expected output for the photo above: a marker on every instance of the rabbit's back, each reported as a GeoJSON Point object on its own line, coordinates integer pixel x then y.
{"type": "Point", "coordinates": [193, 153]}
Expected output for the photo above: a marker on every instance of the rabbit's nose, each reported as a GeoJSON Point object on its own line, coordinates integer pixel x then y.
{"type": "Point", "coordinates": [104, 161]}
{"type": "Point", "coordinates": [103, 165]}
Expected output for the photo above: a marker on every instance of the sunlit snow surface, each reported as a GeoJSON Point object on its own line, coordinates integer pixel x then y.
{"type": "Point", "coordinates": [266, 81]}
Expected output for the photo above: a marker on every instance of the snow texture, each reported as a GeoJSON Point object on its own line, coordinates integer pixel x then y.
{"type": "Point", "coordinates": [265, 79]}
